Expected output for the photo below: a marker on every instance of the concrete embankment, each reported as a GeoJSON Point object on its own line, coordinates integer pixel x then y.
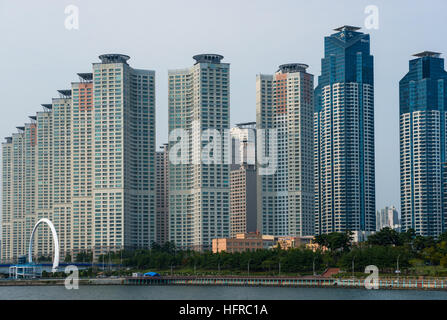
{"type": "Point", "coordinates": [388, 283]}
{"type": "Point", "coordinates": [60, 282]}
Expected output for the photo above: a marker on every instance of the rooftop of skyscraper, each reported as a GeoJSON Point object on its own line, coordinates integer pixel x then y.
{"type": "Point", "coordinates": [114, 58]}
{"type": "Point", "coordinates": [293, 67]}
{"type": "Point", "coordinates": [208, 57]}
{"type": "Point", "coordinates": [427, 54]}
{"type": "Point", "coordinates": [347, 28]}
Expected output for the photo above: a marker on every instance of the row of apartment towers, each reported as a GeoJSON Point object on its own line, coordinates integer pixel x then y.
{"type": "Point", "coordinates": [88, 160]}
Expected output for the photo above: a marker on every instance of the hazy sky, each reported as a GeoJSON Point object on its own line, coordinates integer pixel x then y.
{"type": "Point", "coordinates": [39, 55]}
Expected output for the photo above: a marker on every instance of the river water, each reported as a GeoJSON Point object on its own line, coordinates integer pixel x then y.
{"type": "Point", "coordinates": [120, 292]}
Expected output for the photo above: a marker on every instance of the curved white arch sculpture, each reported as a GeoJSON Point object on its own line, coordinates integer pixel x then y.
{"type": "Point", "coordinates": [55, 240]}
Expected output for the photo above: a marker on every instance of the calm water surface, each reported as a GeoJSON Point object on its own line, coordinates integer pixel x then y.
{"type": "Point", "coordinates": [209, 293]}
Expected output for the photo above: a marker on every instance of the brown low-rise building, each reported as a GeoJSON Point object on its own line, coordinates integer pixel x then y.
{"type": "Point", "coordinates": [255, 241]}
{"type": "Point", "coordinates": [243, 242]}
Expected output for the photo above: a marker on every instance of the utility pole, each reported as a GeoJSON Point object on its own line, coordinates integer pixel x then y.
{"type": "Point", "coordinates": [279, 268]}
{"type": "Point", "coordinates": [353, 259]}
{"type": "Point", "coordinates": [248, 267]}
{"type": "Point", "coordinates": [313, 266]}
{"type": "Point", "coordinates": [121, 259]}
{"type": "Point", "coordinates": [110, 261]}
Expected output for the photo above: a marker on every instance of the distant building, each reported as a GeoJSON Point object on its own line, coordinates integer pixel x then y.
{"type": "Point", "coordinates": [361, 236]}
{"type": "Point", "coordinates": [243, 195]}
{"type": "Point", "coordinates": [243, 214]}
{"type": "Point", "coordinates": [387, 217]}
{"type": "Point", "coordinates": [162, 199]}
{"type": "Point", "coordinates": [243, 144]}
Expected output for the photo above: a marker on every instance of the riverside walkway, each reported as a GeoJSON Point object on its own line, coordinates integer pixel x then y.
{"type": "Point", "coordinates": [314, 282]}
{"type": "Point", "coordinates": [389, 283]}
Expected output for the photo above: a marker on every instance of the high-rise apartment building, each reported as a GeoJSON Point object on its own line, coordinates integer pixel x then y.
{"type": "Point", "coordinates": [18, 190]}
{"type": "Point", "coordinates": [44, 178]}
{"type": "Point", "coordinates": [162, 209]}
{"type": "Point", "coordinates": [344, 135]}
{"type": "Point", "coordinates": [82, 165]}
{"type": "Point", "coordinates": [62, 170]}
{"type": "Point", "coordinates": [243, 192]}
{"type": "Point", "coordinates": [199, 99]}
{"type": "Point", "coordinates": [30, 133]}
{"type": "Point", "coordinates": [13, 241]}
{"type": "Point", "coordinates": [284, 102]}
{"type": "Point", "coordinates": [243, 200]}
{"type": "Point", "coordinates": [124, 154]}
{"type": "Point", "coordinates": [423, 129]}
{"type": "Point", "coordinates": [7, 187]}
{"type": "Point", "coordinates": [87, 163]}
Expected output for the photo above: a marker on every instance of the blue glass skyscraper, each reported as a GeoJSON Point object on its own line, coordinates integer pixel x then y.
{"type": "Point", "coordinates": [344, 135]}
{"type": "Point", "coordinates": [423, 106]}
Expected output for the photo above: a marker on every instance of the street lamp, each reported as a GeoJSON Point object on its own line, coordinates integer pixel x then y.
{"type": "Point", "coordinates": [103, 265]}
{"type": "Point", "coordinates": [397, 266]}
{"type": "Point", "coordinates": [248, 267]}
{"type": "Point", "coordinates": [110, 260]}
{"type": "Point", "coordinates": [121, 259]}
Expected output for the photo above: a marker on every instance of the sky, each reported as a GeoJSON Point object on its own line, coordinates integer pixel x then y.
{"type": "Point", "coordinates": [39, 55]}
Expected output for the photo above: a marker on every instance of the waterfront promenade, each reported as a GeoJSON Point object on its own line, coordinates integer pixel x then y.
{"type": "Point", "coordinates": [314, 282]}
{"type": "Point", "coordinates": [384, 283]}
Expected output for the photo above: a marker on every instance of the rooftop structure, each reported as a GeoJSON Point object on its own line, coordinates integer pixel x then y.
{"type": "Point", "coordinates": [208, 58]}
{"type": "Point", "coordinates": [65, 92]}
{"type": "Point", "coordinates": [88, 76]}
{"type": "Point", "coordinates": [245, 125]}
{"type": "Point", "coordinates": [293, 67]}
{"type": "Point", "coordinates": [427, 54]}
{"type": "Point", "coordinates": [114, 58]}
{"type": "Point", "coordinates": [347, 28]}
